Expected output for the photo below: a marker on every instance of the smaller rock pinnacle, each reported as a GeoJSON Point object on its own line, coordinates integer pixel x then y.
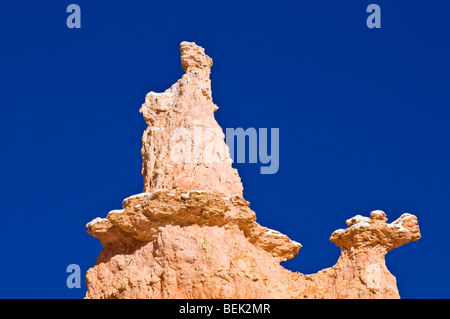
{"type": "Point", "coordinates": [193, 56]}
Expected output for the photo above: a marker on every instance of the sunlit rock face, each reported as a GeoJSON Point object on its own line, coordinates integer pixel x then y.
{"type": "Point", "coordinates": [191, 234]}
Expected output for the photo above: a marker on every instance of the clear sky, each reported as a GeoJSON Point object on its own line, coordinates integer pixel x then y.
{"type": "Point", "coordinates": [363, 116]}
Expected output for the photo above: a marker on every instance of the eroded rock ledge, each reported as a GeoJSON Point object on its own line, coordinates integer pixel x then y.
{"type": "Point", "coordinates": [191, 234]}
{"type": "Point", "coordinates": [143, 215]}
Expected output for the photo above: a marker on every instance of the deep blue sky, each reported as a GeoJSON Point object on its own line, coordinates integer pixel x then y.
{"type": "Point", "coordinates": [363, 115]}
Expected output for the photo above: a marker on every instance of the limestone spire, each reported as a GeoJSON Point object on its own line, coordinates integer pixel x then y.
{"type": "Point", "coordinates": [183, 147]}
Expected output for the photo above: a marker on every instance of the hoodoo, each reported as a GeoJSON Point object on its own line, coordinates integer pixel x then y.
{"type": "Point", "coordinates": [191, 234]}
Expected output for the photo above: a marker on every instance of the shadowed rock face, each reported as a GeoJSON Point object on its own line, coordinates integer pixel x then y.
{"type": "Point", "coordinates": [191, 234]}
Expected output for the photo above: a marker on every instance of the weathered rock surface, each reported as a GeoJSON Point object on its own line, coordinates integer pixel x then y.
{"type": "Point", "coordinates": [191, 234]}
{"type": "Point", "coordinates": [183, 147]}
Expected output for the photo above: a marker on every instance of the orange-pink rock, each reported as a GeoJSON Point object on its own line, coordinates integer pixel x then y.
{"type": "Point", "coordinates": [191, 234]}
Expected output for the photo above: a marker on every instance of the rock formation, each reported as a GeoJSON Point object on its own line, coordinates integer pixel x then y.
{"type": "Point", "coordinates": [191, 234]}
{"type": "Point", "coordinates": [183, 147]}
